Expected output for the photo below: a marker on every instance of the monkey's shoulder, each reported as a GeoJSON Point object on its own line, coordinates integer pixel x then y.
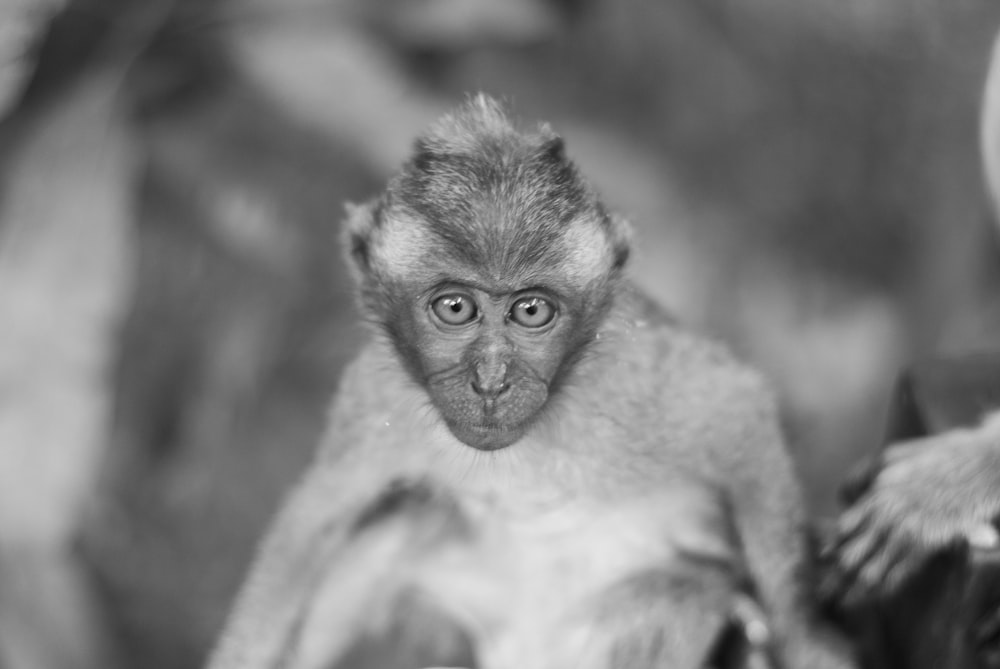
{"type": "Point", "coordinates": [673, 389]}
{"type": "Point", "coordinates": [652, 344]}
{"type": "Point", "coordinates": [663, 364]}
{"type": "Point", "coordinates": [375, 403]}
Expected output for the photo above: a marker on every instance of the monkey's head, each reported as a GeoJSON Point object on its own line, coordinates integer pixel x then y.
{"type": "Point", "coordinates": [490, 264]}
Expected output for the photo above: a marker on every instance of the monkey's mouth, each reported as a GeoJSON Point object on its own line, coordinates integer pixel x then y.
{"type": "Point", "coordinates": [490, 437]}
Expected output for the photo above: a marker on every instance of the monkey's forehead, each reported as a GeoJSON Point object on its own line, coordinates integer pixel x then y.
{"type": "Point", "coordinates": [499, 254]}
{"type": "Point", "coordinates": [573, 255]}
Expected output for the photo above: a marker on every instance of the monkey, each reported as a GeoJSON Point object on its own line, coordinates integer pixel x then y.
{"type": "Point", "coordinates": [925, 495]}
{"type": "Point", "coordinates": [529, 463]}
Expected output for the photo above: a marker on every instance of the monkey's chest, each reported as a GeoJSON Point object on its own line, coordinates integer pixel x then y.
{"type": "Point", "coordinates": [536, 584]}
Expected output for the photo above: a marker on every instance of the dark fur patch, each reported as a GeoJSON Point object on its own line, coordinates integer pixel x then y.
{"type": "Point", "coordinates": [419, 635]}
{"type": "Point", "coordinates": [399, 496]}
{"type": "Point", "coordinates": [358, 250]}
{"type": "Point", "coordinates": [661, 614]}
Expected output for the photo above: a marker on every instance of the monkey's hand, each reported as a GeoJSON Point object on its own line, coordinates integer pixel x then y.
{"type": "Point", "coordinates": [925, 495]}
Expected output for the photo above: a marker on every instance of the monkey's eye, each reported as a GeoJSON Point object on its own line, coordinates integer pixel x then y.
{"type": "Point", "coordinates": [454, 309]}
{"type": "Point", "coordinates": [532, 312]}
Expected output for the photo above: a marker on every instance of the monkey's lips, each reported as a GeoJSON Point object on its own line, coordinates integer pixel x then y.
{"type": "Point", "coordinates": [489, 424]}
{"type": "Point", "coordinates": [487, 437]}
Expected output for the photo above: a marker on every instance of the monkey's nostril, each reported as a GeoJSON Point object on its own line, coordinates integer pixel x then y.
{"type": "Point", "coordinates": [490, 390]}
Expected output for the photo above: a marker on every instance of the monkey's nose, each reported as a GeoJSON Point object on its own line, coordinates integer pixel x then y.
{"type": "Point", "coordinates": [491, 381]}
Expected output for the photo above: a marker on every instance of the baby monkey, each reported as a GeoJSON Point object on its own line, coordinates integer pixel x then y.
{"type": "Point", "coordinates": [528, 466]}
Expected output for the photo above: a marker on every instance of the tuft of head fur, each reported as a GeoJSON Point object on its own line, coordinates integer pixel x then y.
{"type": "Point", "coordinates": [477, 193]}
{"type": "Point", "coordinates": [463, 130]}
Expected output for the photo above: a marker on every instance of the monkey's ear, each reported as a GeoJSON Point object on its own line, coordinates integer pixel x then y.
{"type": "Point", "coordinates": [621, 239]}
{"type": "Point", "coordinates": [360, 222]}
{"type": "Point", "coordinates": [553, 147]}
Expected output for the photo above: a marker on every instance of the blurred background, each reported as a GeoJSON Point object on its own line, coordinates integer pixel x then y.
{"type": "Point", "coordinates": [804, 179]}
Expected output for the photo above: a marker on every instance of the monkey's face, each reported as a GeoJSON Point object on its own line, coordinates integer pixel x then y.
{"type": "Point", "coordinates": [491, 342]}
{"type": "Point", "coordinates": [491, 346]}
{"type": "Point", "coordinates": [491, 264]}
{"type": "Point", "coordinates": [489, 360]}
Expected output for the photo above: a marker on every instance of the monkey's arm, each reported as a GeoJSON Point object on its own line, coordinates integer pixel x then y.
{"type": "Point", "coordinates": [334, 594]}
{"type": "Point", "coordinates": [769, 518]}
{"type": "Point", "coordinates": [305, 536]}
{"type": "Point", "coordinates": [924, 495]}
{"type": "Point", "coordinates": [367, 610]}
{"type": "Point", "coordinates": [662, 618]}
{"type": "Point", "coordinates": [312, 527]}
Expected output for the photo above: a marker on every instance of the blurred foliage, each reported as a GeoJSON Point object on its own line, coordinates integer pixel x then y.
{"type": "Point", "coordinates": [804, 178]}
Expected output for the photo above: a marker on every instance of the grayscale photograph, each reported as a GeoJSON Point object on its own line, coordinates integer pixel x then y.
{"type": "Point", "coordinates": [499, 334]}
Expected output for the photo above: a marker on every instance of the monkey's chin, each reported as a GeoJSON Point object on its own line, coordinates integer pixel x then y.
{"type": "Point", "coordinates": [486, 438]}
